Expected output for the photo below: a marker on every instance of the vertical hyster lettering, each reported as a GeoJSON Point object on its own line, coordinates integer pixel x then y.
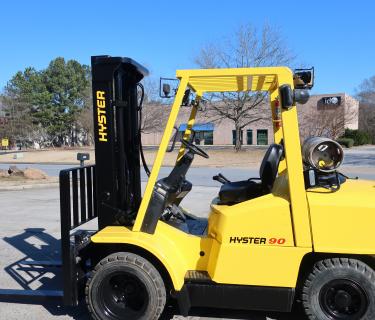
{"type": "Point", "coordinates": [102, 117]}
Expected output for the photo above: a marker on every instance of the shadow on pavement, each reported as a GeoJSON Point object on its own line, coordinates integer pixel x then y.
{"type": "Point", "coordinates": [37, 245]}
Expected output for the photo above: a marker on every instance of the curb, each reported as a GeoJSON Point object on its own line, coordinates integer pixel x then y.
{"type": "Point", "coordinates": [29, 186]}
{"type": "Point", "coordinates": [46, 163]}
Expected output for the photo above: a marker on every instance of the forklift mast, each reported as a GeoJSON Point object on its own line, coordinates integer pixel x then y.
{"type": "Point", "coordinates": [115, 83]}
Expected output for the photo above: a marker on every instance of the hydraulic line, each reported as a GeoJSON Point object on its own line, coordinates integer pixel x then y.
{"type": "Point", "coordinates": [140, 105]}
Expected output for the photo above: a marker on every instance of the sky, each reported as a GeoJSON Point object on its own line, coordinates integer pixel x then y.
{"type": "Point", "coordinates": [336, 37]}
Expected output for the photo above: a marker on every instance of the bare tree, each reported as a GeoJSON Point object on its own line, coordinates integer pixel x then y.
{"type": "Point", "coordinates": [329, 121]}
{"type": "Point", "coordinates": [366, 91]}
{"type": "Point", "coordinates": [154, 116]}
{"type": "Point", "coordinates": [247, 47]}
{"type": "Point", "coordinates": [85, 125]}
{"type": "Point", "coordinates": [366, 96]}
{"type": "Point", "coordinates": [154, 113]}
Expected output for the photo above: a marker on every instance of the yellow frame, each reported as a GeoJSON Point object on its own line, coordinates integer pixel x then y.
{"type": "Point", "coordinates": [179, 252]}
{"type": "Point", "coordinates": [243, 79]}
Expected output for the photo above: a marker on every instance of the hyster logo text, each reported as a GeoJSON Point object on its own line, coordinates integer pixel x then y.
{"type": "Point", "coordinates": [102, 118]}
{"type": "Point", "coordinates": [248, 240]}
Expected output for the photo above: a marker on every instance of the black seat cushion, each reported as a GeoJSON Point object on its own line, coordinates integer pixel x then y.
{"type": "Point", "coordinates": [239, 191]}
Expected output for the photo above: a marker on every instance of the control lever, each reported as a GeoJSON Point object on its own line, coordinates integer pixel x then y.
{"type": "Point", "coordinates": [220, 178]}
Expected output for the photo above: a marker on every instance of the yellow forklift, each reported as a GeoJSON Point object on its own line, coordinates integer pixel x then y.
{"type": "Point", "coordinates": [302, 231]}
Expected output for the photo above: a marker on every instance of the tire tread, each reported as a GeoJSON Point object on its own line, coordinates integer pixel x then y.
{"type": "Point", "coordinates": [139, 262]}
{"type": "Point", "coordinates": [328, 264]}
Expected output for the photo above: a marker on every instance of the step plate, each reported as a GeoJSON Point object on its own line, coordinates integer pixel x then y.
{"type": "Point", "coordinates": [194, 275]}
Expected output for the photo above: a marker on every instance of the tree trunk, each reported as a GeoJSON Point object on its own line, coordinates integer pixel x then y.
{"type": "Point", "coordinates": [238, 137]}
{"type": "Point", "coordinates": [72, 136]}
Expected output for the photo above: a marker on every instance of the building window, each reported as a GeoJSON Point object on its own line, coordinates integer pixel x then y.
{"type": "Point", "coordinates": [234, 137]}
{"type": "Point", "coordinates": [249, 136]}
{"type": "Point", "coordinates": [204, 137]}
{"type": "Point", "coordinates": [203, 133]}
{"type": "Point", "coordinates": [262, 137]}
{"type": "Point", "coordinates": [208, 137]}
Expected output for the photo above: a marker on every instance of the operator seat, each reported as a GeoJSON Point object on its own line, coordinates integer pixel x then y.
{"type": "Point", "coordinates": [239, 191]}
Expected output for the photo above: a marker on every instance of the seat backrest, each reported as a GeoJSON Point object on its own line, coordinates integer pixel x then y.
{"type": "Point", "coordinates": [270, 164]}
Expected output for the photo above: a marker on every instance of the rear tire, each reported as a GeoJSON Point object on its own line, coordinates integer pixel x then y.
{"type": "Point", "coordinates": [340, 289]}
{"type": "Point", "coordinates": [125, 286]}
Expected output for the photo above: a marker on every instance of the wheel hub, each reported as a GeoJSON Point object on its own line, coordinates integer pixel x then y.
{"type": "Point", "coordinates": [124, 296]}
{"type": "Point", "coordinates": [343, 299]}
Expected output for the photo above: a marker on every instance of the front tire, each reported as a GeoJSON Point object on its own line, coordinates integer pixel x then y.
{"type": "Point", "coordinates": [125, 286]}
{"type": "Point", "coordinates": [340, 289]}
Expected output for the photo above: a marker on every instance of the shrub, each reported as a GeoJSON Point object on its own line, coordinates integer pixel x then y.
{"type": "Point", "coordinates": [359, 137]}
{"type": "Point", "coordinates": [346, 142]}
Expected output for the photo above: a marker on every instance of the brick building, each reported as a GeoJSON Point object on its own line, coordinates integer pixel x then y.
{"type": "Point", "coordinates": [323, 115]}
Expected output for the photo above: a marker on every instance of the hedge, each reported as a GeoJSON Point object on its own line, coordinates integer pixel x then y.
{"type": "Point", "coordinates": [359, 137]}
{"type": "Point", "coordinates": [346, 142]}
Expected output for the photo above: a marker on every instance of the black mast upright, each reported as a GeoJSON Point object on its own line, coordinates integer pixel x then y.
{"type": "Point", "coordinates": [117, 138]}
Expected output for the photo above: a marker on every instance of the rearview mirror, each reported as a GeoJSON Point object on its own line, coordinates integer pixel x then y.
{"type": "Point", "coordinates": [168, 87]}
{"type": "Point", "coordinates": [303, 78]}
{"type": "Point", "coordinates": [166, 90]}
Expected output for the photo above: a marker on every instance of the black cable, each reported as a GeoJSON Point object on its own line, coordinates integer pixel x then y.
{"type": "Point", "coordinates": [140, 105]}
{"type": "Point", "coordinates": [349, 178]}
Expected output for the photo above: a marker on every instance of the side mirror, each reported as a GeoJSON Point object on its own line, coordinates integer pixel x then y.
{"type": "Point", "coordinates": [166, 90]}
{"type": "Point", "coordinates": [303, 78]}
{"type": "Point", "coordinates": [168, 87]}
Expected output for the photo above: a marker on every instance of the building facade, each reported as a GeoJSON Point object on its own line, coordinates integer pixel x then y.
{"type": "Point", "coordinates": [323, 115]}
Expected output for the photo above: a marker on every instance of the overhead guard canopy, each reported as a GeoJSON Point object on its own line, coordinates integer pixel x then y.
{"type": "Point", "coordinates": [233, 80]}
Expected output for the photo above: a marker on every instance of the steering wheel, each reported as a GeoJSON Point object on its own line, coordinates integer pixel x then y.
{"type": "Point", "coordinates": [194, 148]}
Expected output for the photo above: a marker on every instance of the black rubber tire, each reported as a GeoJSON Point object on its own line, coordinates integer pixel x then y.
{"type": "Point", "coordinates": [330, 271]}
{"type": "Point", "coordinates": [135, 266]}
